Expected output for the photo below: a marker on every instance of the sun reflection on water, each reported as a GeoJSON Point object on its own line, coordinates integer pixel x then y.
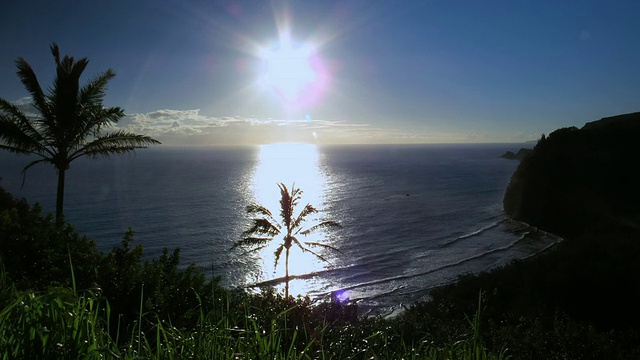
{"type": "Point", "coordinates": [290, 163]}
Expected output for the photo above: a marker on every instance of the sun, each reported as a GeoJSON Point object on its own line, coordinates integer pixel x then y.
{"type": "Point", "coordinates": [294, 72]}
{"type": "Point", "coordinates": [288, 69]}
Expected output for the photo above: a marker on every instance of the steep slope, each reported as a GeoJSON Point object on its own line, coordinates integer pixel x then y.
{"type": "Point", "coordinates": [576, 177]}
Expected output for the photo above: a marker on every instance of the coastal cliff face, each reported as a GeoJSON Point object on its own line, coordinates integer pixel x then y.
{"type": "Point", "coordinates": [580, 299]}
{"type": "Point", "coordinates": [576, 178]}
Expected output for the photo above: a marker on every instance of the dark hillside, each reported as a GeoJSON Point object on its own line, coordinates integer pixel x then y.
{"type": "Point", "coordinates": [576, 177]}
{"type": "Point", "coordinates": [583, 184]}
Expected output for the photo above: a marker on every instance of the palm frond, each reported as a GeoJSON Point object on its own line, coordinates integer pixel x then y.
{"type": "Point", "coordinates": [250, 241]}
{"type": "Point", "coordinates": [17, 134]}
{"type": "Point", "coordinates": [64, 94]}
{"type": "Point", "coordinates": [296, 193]}
{"type": "Point", "coordinates": [317, 255]}
{"type": "Point", "coordinates": [92, 119]}
{"type": "Point", "coordinates": [14, 138]}
{"type": "Point", "coordinates": [262, 226]}
{"type": "Point", "coordinates": [308, 210]}
{"type": "Point", "coordinates": [12, 114]}
{"type": "Point", "coordinates": [306, 249]}
{"type": "Point", "coordinates": [277, 253]}
{"type": "Point", "coordinates": [15, 150]}
{"type": "Point", "coordinates": [93, 91]}
{"type": "Point", "coordinates": [286, 205]}
{"type": "Point", "coordinates": [55, 51]}
{"type": "Point", "coordinates": [96, 117]}
{"type": "Point", "coordinates": [324, 224]}
{"type": "Point", "coordinates": [116, 143]}
{"type": "Point", "coordinates": [34, 162]}
{"type": "Point", "coordinates": [13, 110]}
{"type": "Point", "coordinates": [30, 82]}
{"type": "Point", "coordinates": [313, 243]}
{"type": "Point", "coordinates": [261, 210]}
{"type": "Point", "coordinates": [253, 250]}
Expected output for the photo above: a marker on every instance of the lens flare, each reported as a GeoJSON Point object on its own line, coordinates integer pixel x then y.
{"type": "Point", "coordinates": [340, 296]}
{"type": "Point", "coordinates": [295, 73]}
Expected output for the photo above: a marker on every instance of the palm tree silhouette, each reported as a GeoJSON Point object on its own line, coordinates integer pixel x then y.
{"type": "Point", "coordinates": [265, 228]}
{"type": "Point", "coordinates": [70, 120]}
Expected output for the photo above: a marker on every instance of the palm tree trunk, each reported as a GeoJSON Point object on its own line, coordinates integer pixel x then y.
{"type": "Point", "coordinates": [286, 276]}
{"type": "Point", "coordinates": [60, 194]}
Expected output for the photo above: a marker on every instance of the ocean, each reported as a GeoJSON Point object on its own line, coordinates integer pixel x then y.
{"type": "Point", "coordinates": [413, 216]}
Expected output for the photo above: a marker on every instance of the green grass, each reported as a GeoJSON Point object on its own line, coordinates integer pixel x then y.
{"type": "Point", "coordinates": [64, 324]}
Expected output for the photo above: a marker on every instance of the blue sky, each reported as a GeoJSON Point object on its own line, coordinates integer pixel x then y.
{"type": "Point", "coordinates": [191, 72]}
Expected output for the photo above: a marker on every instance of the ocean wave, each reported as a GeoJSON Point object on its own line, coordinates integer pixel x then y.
{"type": "Point", "coordinates": [446, 266]}
{"type": "Point", "coordinates": [477, 232]}
{"type": "Point", "coordinates": [283, 279]}
{"type": "Point", "coordinates": [327, 272]}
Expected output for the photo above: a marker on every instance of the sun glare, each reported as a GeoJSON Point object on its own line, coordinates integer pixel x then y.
{"type": "Point", "coordinates": [295, 73]}
{"type": "Point", "coordinates": [289, 164]}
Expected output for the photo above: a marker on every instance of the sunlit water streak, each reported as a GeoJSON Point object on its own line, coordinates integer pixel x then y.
{"type": "Point", "coordinates": [413, 217]}
{"type": "Point", "coordinates": [292, 165]}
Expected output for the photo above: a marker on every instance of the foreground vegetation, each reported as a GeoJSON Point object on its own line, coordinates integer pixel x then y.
{"type": "Point", "coordinates": [62, 323]}
{"type": "Point", "coordinates": [61, 298]}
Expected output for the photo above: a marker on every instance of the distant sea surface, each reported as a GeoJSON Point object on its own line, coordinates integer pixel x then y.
{"type": "Point", "coordinates": [413, 216]}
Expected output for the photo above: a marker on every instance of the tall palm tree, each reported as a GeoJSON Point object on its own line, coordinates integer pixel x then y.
{"type": "Point", "coordinates": [70, 122]}
{"type": "Point", "coordinates": [265, 228]}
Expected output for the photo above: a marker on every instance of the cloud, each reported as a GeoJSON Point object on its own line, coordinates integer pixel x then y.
{"type": "Point", "coordinates": [190, 127]}
{"type": "Point", "coordinates": [25, 105]}
{"type": "Point", "coordinates": [23, 101]}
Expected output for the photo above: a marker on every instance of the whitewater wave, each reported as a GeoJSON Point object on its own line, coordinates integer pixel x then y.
{"type": "Point", "coordinates": [430, 271]}
{"type": "Point", "coordinates": [477, 232]}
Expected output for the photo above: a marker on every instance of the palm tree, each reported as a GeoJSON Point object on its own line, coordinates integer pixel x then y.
{"type": "Point", "coordinates": [265, 228]}
{"type": "Point", "coordinates": [69, 123]}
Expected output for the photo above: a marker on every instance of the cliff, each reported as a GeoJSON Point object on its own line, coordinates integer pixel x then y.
{"type": "Point", "coordinates": [578, 177]}
{"type": "Point", "coordinates": [521, 154]}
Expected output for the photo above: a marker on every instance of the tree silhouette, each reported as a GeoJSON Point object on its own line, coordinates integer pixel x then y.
{"type": "Point", "coordinates": [266, 228]}
{"type": "Point", "coordinates": [70, 120]}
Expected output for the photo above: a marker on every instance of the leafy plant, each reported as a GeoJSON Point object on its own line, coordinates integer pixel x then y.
{"type": "Point", "coordinates": [266, 228]}
{"type": "Point", "coordinates": [70, 123]}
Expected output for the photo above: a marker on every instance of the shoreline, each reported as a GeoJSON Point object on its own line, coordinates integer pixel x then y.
{"type": "Point", "coordinates": [527, 234]}
{"type": "Point", "coordinates": [399, 308]}
{"type": "Point", "coordinates": [394, 312]}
